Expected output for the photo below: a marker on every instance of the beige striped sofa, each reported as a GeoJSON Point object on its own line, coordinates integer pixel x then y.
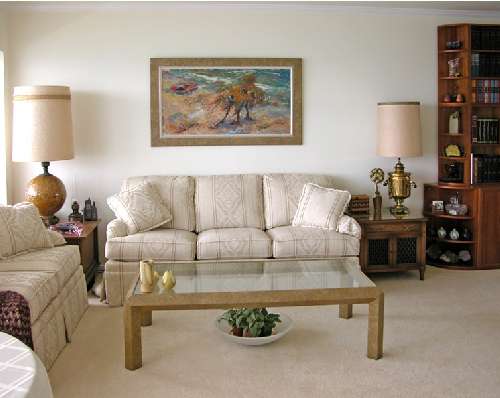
{"type": "Point", "coordinates": [224, 217]}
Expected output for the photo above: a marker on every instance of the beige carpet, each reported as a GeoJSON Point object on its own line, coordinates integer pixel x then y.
{"type": "Point", "coordinates": [442, 339]}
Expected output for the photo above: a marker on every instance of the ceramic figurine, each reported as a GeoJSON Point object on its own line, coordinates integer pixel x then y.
{"type": "Point", "coordinates": [454, 235]}
{"type": "Point", "coordinates": [464, 255]}
{"type": "Point", "coordinates": [466, 234]}
{"type": "Point", "coordinates": [441, 233]}
{"type": "Point", "coordinates": [454, 122]}
{"type": "Point", "coordinates": [168, 281]}
{"type": "Point", "coordinates": [460, 98]}
{"type": "Point", "coordinates": [148, 276]}
{"type": "Point", "coordinates": [447, 98]}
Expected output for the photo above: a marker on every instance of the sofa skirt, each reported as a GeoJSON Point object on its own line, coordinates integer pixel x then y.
{"type": "Point", "coordinates": [55, 326]}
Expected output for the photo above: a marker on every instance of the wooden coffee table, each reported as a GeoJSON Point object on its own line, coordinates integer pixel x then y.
{"type": "Point", "coordinates": [256, 284]}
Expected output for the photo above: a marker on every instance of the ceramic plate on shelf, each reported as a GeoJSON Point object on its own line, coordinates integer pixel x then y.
{"type": "Point", "coordinates": [281, 329]}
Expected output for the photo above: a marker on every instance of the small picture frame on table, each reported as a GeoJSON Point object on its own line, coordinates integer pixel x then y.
{"type": "Point", "coordinates": [437, 206]}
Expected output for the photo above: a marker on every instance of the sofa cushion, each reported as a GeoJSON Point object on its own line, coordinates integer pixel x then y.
{"type": "Point", "coordinates": [160, 244]}
{"type": "Point", "coordinates": [140, 207]}
{"type": "Point", "coordinates": [320, 207]}
{"type": "Point", "coordinates": [282, 193]}
{"type": "Point", "coordinates": [233, 243]}
{"type": "Point", "coordinates": [21, 229]}
{"type": "Point", "coordinates": [304, 242]}
{"type": "Point", "coordinates": [229, 201]}
{"type": "Point", "coordinates": [177, 192]}
{"type": "Point", "coordinates": [40, 275]}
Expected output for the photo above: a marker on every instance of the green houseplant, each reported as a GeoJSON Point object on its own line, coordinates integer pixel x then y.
{"type": "Point", "coordinates": [251, 322]}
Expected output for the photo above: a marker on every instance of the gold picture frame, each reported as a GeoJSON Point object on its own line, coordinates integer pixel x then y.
{"type": "Point", "coordinates": [226, 101]}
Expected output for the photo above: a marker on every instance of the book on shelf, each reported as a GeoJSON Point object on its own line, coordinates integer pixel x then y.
{"type": "Point", "coordinates": [485, 130]}
{"type": "Point", "coordinates": [485, 168]}
{"type": "Point", "coordinates": [485, 64]}
{"type": "Point", "coordinates": [486, 91]}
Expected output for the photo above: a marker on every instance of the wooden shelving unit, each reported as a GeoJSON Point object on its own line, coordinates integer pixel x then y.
{"type": "Point", "coordinates": [482, 199]}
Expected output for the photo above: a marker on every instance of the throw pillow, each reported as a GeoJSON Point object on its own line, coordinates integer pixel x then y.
{"type": "Point", "coordinates": [140, 208]}
{"type": "Point", "coordinates": [320, 207]}
{"type": "Point", "coordinates": [21, 229]}
{"type": "Point", "coordinates": [56, 238]}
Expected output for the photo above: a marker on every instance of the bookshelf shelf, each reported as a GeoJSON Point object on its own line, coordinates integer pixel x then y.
{"type": "Point", "coordinates": [452, 78]}
{"type": "Point", "coordinates": [454, 242]}
{"type": "Point", "coordinates": [456, 158]}
{"type": "Point", "coordinates": [478, 120]}
{"type": "Point", "coordinates": [452, 104]}
{"type": "Point", "coordinates": [446, 216]}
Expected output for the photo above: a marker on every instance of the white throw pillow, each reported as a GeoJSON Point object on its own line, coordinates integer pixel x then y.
{"type": "Point", "coordinates": [21, 229]}
{"type": "Point", "coordinates": [140, 208]}
{"type": "Point", "coordinates": [320, 207]}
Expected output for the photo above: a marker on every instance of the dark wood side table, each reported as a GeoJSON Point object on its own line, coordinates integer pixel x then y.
{"type": "Point", "coordinates": [89, 249]}
{"type": "Point", "coordinates": [391, 244]}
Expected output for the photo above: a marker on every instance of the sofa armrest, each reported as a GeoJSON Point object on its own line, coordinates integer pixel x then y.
{"type": "Point", "coordinates": [116, 228]}
{"type": "Point", "coordinates": [348, 225]}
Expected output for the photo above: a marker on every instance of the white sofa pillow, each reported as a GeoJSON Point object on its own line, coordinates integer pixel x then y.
{"type": "Point", "coordinates": [21, 229]}
{"type": "Point", "coordinates": [320, 207]}
{"type": "Point", "coordinates": [140, 207]}
{"type": "Point", "coordinates": [282, 194]}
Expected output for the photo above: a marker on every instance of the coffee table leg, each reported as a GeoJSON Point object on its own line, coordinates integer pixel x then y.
{"type": "Point", "coordinates": [133, 345]}
{"type": "Point", "coordinates": [147, 318]}
{"type": "Point", "coordinates": [376, 328]}
{"type": "Point", "coordinates": [345, 311]}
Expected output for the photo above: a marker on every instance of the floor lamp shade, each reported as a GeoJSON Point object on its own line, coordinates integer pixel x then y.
{"type": "Point", "coordinates": [399, 132]}
{"type": "Point", "coordinates": [43, 132]}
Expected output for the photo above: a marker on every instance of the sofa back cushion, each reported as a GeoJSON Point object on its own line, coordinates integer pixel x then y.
{"type": "Point", "coordinates": [177, 193]}
{"type": "Point", "coordinates": [229, 201]}
{"type": "Point", "coordinates": [21, 229]}
{"type": "Point", "coordinates": [282, 194]}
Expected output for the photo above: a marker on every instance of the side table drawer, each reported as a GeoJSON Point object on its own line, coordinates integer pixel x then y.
{"type": "Point", "coordinates": [413, 227]}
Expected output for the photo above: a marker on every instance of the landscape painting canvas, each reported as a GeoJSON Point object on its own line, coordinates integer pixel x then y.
{"type": "Point", "coordinates": [226, 101]}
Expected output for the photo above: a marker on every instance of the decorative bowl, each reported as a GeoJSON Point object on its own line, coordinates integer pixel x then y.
{"type": "Point", "coordinates": [281, 329]}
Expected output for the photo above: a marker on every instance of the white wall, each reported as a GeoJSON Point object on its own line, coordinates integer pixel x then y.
{"type": "Point", "coordinates": [3, 135]}
{"type": "Point", "coordinates": [352, 60]}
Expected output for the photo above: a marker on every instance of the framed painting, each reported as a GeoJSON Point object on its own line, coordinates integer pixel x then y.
{"type": "Point", "coordinates": [226, 101]}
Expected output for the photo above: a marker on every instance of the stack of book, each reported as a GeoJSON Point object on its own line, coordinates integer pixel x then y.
{"type": "Point", "coordinates": [485, 168]}
{"type": "Point", "coordinates": [485, 38]}
{"type": "Point", "coordinates": [485, 65]}
{"type": "Point", "coordinates": [485, 130]}
{"type": "Point", "coordinates": [486, 91]}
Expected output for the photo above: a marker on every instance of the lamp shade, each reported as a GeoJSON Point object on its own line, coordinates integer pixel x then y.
{"type": "Point", "coordinates": [42, 126]}
{"type": "Point", "coordinates": [399, 133]}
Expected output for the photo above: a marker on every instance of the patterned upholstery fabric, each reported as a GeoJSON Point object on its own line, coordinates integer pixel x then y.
{"type": "Point", "coordinates": [140, 207]}
{"type": "Point", "coordinates": [320, 207]}
{"type": "Point", "coordinates": [233, 243]}
{"type": "Point", "coordinates": [229, 201]}
{"type": "Point", "coordinates": [56, 238]}
{"type": "Point", "coordinates": [160, 244]}
{"type": "Point", "coordinates": [21, 229]}
{"type": "Point", "coordinates": [282, 193]}
{"type": "Point", "coordinates": [40, 275]}
{"type": "Point", "coordinates": [302, 242]}
{"type": "Point", "coordinates": [116, 229]}
{"type": "Point", "coordinates": [348, 225]}
{"type": "Point", "coordinates": [177, 192]}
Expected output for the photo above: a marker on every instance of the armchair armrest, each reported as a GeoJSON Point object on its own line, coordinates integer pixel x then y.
{"type": "Point", "coordinates": [116, 229]}
{"type": "Point", "coordinates": [348, 225]}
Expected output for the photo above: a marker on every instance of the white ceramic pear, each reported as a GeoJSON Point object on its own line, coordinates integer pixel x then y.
{"type": "Point", "coordinates": [168, 281]}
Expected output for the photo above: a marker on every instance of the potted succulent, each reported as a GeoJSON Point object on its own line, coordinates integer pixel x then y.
{"type": "Point", "coordinates": [251, 322]}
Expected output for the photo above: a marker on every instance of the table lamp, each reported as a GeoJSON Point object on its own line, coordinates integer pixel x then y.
{"type": "Point", "coordinates": [42, 132]}
{"type": "Point", "coordinates": [399, 135]}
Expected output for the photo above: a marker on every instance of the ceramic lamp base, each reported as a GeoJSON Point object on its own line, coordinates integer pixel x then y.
{"type": "Point", "coordinates": [47, 193]}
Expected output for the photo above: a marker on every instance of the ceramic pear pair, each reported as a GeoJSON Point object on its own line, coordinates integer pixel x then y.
{"type": "Point", "coordinates": [149, 277]}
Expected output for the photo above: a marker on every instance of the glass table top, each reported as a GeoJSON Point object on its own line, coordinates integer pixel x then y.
{"type": "Point", "coordinates": [242, 276]}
